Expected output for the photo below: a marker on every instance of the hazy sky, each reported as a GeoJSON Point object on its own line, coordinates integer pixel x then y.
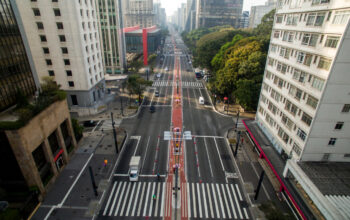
{"type": "Point", "coordinates": [172, 5]}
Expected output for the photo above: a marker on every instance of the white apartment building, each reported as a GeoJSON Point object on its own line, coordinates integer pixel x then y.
{"type": "Point", "coordinates": [304, 106]}
{"type": "Point", "coordinates": [112, 37]}
{"type": "Point", "coordinates": [63, 40]}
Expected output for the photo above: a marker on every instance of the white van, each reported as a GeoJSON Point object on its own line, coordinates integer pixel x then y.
{"type": "Point", "coordinates": [201, 100]}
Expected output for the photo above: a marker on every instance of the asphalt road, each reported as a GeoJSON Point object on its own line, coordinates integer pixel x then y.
{"type": "Point", "coordinates": [213, 190]}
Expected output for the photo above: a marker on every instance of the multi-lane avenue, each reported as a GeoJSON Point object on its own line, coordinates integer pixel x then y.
{"type": "Point", "coordinates": [208, 182]}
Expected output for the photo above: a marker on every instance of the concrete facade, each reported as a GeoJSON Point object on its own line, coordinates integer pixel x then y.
{"type": "Point", "coordinates": [24, 142]}
{"type": "Point", "coordinates": [138, 13]}
{"type": "Point", "coordinates": [304, 103]}
{"type": "Point", "coordinates": [64, 43]}
{"type": "Point", "coordinates": [258, 12]}
{"type": "Point", "coordinates": [110, 20]}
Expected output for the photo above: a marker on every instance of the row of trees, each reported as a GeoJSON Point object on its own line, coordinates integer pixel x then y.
{"type": "Point", "coordinates": [236, 59]}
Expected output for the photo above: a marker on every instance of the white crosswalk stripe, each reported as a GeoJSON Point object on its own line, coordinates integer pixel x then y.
{"type": "Point", "coordinates": [135, 199]}
{"type": "Point", "coordinates": [215, 201]}
{"type": "Point", "coordinates": [184, 84]}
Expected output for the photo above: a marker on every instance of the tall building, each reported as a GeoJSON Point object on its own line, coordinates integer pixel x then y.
{"type": "Point", "coordinates": [244, 22]}
{"type": "Point", "coordinates": [139, 13]}
{"type": "Point", "coordinates": [63, 39]}
{"type": "Point", "coordinates": [110, 19]}
{"type": "Point", "coordinates": [182, 17]}
{"type": "Point", "coordinates": [15, 71]}
{"type": "Point", "coordinates": [210, 13]}
{"type": "Point", "coordinates": [304, 104]}
{"type": "Point", "coordinates": [190, 15]}
{"type": "Point", "coordinates": [258, 12]}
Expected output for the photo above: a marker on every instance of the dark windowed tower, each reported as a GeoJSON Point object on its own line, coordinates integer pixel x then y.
{"type": "Point", "coordinates": [15, 73]}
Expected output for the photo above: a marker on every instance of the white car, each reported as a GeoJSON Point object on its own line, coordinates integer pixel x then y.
{"type": "Point", "coordinates": [158, 75]}
{"type": "Point", "coordinates": [166, 68]}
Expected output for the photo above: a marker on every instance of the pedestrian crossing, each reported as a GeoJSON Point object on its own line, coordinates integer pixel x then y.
{"type": "Point", "coordinates": [134, 199]}
{"type": "Point", "coordinates": [106, 125]}
{"type": "Point", "coordinates": [199, 200]}
{"type": "Point", "coordinates": [214, 201]}
{"type": "Point", "coordinates": [185, 84]}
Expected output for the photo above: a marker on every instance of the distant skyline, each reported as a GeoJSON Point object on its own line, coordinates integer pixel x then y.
{"type": "Point", "coordinates": [172, 5]}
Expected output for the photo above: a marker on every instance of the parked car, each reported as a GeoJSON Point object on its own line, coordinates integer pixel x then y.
{"type": "Point", "coordinates": [156, 93]}
{"type": "Point", "coordinates": [152, 109]}
{"type": "Point", "coordinates": [89, 123]}
{"type": "Point", "coordinates": [158, 75]}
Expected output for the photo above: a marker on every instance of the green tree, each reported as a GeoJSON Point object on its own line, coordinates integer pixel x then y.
{"type": "Point", "coordinates": [137, 85]}
{"type": "Point", "coordinates": [247, 93]}
{"type": "Point", "coordinates": [135, 65]}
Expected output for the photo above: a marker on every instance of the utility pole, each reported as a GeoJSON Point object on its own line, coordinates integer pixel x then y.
{"type": "Point", "coordinates": [114, 134]}
{"type": "Point", "coordinates": [237, 142]}
{"type": "Point", "coordinates": [121, 105]}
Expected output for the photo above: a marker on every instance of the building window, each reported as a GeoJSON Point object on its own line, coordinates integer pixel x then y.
{"type": "Point", "coordinates": [296, 149]}
{"type": "Point", "coordinates": [64, 50]}
{"type": "Point", "coordinates": [317, 83]}
{"type": "Point", "coordinates": [74, 99]}
{"type": "Point", "coordinates": [332, 141]}
{"type": "Point", "coordinates": [311, 101]}
{"type": "Point", "coordinates": [40, 25]}
{"type": "Point", "coordinates": [346, 155]}
{"type": "Point", "coordinates": [346, 108]}
{"type": "Point", "coordinates": [315, 19]}
{"type": "Point", "coordinates": [66, 62]}
{"type": "Point", "coordinates": [276, 34]}
{"type": "Point", "coordinates": [57, 12]}
{"type": "Point", "coordinates": [70, 83]}
{"type": "Point", "coordinates": [279, 19]}
{"type": "Point", "coordinates": [69, 72]}
{"type": "Point", "coordinates": [341, 17]}
{"type": "Point", "coordinates": [339, 125]}
{"type": "Point", "coordinates": [46, 50]}
{"type": "Point", "coordinates": [43, 38]}
{"type": "Point", "coordinates": [51, 73]}
{"type": "Point", "coordinates": [324, 63]}
{"type": "Point", "coordinates": [62, 38]}
{"type": "Point", "coordinates": [48, 62]}
{"type": "Point", "coordinates": [59, 25]}
{"type": "Point", "coordinates": [36, 11]}
{"type": "Point", "coordinates": [304, 58]}
{"type": "Point", "coordinates": [54, 0]}
{"type": "Point", "coordinates": [309, 39]}
{"type": "Point", "coordinates": [316, 2]}
{"type": "Point", "coordinates": [301, 134]}
{"type": "Point", "coordinates": [306, 118]}
{"type": "Point", "coordinates": [332, 41]}
{"type": "Point", "coordinates": [283, 135]}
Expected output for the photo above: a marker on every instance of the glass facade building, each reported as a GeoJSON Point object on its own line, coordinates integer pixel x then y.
{"type": "Point", "coordinates": [15, 73]}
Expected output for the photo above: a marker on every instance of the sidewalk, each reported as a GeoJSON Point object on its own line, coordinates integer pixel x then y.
{"type": "Point", "coordinates": [72, 195]}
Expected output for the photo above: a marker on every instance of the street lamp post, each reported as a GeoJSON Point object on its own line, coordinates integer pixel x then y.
{"type": "Point", "coordinates": [114, 134]}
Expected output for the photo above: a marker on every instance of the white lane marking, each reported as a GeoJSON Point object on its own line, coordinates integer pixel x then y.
{"type": "Point", "coordinates": [225, 199]}
{"type": "Point", "coordinates": [124, 202]}
{"type": "Point", "coordinates": [236, 200]}
{"type": "Point", "coordinates": [136, 198]}
{"type": "Point", "coordinates": [246, 213]}
{"type": "Point", "coordinates": [206, 148]}
{"type": "Point", "coordinates": [131, 198]}
{"type": "Point", "coordinates": [188, 200]}
{"type": "Point", "coordinates": [215, 200]}
{"type": "Point", "coordinates": [204, 201]}
{"type": "Point", "coordinates": [199, 201]}
{"type": "Point", "coordinates": [151, 203]}
{"type": "Point", "coordinates": [144, 157]}
{"type": "Point", "coordinates": [96, 126]}
{"type": "Point", "coordinates": [210, 202]}
{"type": "Point", "coordinates": [147, 199]}
{"type": "Point", "coordinates": [207, 136]}
{"type": "Point", "coordinates": [239, 193]}
{"type": "Point", "coordinates": [163, 197]}
{"type": "Point", "coordinates": [231, 202]}
{"type": "Point", "coordinates": [217, 149]}
{"type": "Point", "coordinates": [138, 138]}
{"type": "Point", "coordinates": [120, 199]}
{"type": "Point", "coordinates": [158, 198]}
{"type": "Point", "coordinates": [220, 200]}
{"type": "Point", "coordinates": [109, 199]}
{"type": "Point", "coordinates": [115, 198]}
{"type": "Point", "coordinates": [141, 199]}
{"type": "Point", "coordinates": [194, 202]}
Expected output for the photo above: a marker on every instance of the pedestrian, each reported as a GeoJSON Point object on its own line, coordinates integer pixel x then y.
{"type": "Point", "coordinates": [105, 162]}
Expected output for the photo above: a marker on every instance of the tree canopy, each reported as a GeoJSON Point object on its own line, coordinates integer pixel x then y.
{"type": "Point", "coordinates": [137, 85]}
